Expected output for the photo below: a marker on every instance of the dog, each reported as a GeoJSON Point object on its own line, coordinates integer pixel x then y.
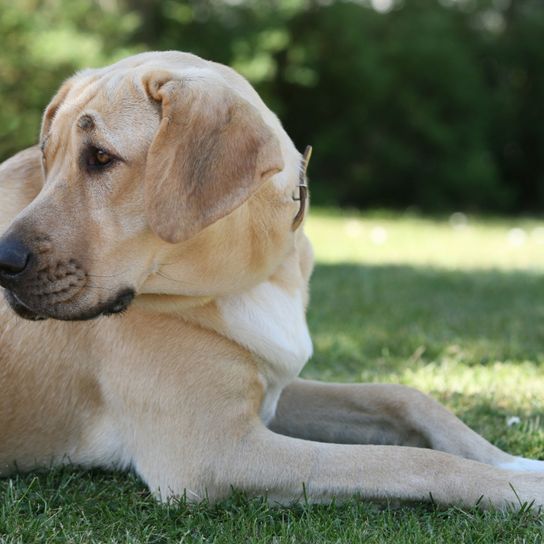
{"type": "Point", "coordinates": [165, 191]}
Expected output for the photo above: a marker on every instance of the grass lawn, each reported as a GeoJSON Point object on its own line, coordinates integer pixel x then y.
{"type": "Point", "coordinates": [453, 307]}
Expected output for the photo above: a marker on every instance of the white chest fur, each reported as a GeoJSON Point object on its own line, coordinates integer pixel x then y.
{"type": "Point", "coordinates": [271, 323]}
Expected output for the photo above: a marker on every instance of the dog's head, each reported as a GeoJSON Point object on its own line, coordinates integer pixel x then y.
{"type": "Point", "coordinates": [163, 174]}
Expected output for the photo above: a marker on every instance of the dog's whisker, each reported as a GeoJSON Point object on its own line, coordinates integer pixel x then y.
{"type": "Point", "coordinates": [90, 286]}
{"type": "Point", "coordinates": [107, 275]}
{"type": "Point", "coordinates": [182, 282]}
{"type": "Point", "coordinates": [168, 264]}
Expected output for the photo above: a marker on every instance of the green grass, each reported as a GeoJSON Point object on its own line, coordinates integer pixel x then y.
{"type": "Point", "coordinates": [455, 310]}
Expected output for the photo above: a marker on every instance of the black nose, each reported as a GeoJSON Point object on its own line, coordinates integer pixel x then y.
{"type": "Point", "coordinates": [14, 257]}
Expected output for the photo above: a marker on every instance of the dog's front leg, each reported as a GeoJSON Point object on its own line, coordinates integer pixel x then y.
{"type": "Point", "coordinates": [383, 414]}
{"type": "Point", "coordinates": [260, 462]}
{"type": "Point", "coordinates": [192, 426]}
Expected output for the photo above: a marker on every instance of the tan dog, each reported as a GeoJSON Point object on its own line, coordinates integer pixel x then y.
{"type": "Point", "coordinates": [168, 184]}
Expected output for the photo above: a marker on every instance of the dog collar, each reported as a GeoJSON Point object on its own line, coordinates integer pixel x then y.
{"type": "Point", "coordinates": [302, 188]}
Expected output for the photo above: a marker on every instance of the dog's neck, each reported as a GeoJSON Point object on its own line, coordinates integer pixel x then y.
{"type": "Point", "coordinates": [268, 320]}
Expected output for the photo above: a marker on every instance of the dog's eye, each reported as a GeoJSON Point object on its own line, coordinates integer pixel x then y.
{"type": "Point", "coordinates": [102, 157]}
{"type": "Point", "coordinates": [97, 158]}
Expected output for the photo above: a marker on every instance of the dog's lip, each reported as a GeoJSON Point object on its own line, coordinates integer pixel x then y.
{"type": "Point", "coordinates": [120, 303]}
{"type": "Point", "coordinates": [24, 310]}
{"type": "Point", "coordinates": [116, 305]}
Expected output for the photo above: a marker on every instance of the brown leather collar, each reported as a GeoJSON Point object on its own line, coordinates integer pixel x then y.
{"type": "Point", "coordinates": [302, 188]}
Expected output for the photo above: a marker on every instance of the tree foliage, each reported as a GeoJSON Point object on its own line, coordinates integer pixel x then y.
{"type": "Point", "coordinates": [435, 103]}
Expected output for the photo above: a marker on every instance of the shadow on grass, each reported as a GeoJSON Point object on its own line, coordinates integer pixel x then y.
{"type": "Point", "coordinates": [442, 331]}
{"type": "Point", "coordinates": [380, 318]}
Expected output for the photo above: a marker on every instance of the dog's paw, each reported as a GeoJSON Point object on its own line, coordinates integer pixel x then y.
{"type": "Point", "coordinates": [522, 464]}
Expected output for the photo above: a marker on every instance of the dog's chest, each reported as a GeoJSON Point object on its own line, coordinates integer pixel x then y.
{"type": "Point", "coordinates": [271, 323]}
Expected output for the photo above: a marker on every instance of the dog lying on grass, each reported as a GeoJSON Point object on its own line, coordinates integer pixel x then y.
{"type": "Point", "coordinates": [165, 190]}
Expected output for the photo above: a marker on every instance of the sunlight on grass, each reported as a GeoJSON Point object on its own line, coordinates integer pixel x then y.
{"type": "Point", "coordinates": [453, 307]}
{"type": "Point", "coordinates": [455, 242]}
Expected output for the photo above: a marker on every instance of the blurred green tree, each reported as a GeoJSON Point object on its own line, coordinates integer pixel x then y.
{"type": "Point", "coordinates": [437, 104]}
{"type": "Point", "coordinates": [400, 106]}
{"type": "Point", "coordinates": [43, 43]}
{"type": "Point", "coordinates": [514, 66]}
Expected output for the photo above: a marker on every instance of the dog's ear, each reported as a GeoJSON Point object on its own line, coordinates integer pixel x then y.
{"type": "Point", "coordinates": [212, 151]}
{"type": "Point", "coordinates": [53, 107]}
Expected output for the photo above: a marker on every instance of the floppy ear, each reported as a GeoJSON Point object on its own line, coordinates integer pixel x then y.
{"type": "Point", "coordinates": [212, 151]}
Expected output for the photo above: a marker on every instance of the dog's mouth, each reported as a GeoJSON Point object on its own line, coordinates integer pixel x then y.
{"type": "Point", "coordinates": [115, 305]}
{"type": "Point", "coordinates": [21, 309]}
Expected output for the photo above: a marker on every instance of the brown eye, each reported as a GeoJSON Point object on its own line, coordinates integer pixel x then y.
{"type": "Point", "coordinates": [95, 158]}
{"type": "Point", "coordinates": [102, 157]}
